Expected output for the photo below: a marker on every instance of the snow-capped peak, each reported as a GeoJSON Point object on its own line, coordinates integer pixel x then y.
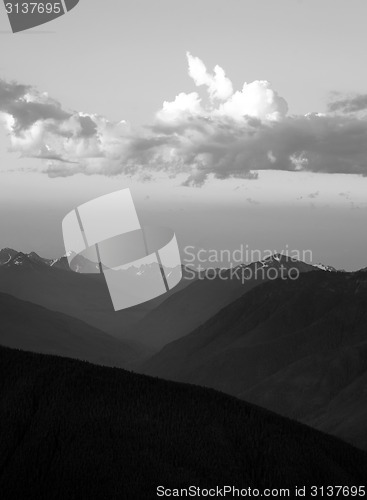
{"type": "Point", "coordinates": [329, 269]}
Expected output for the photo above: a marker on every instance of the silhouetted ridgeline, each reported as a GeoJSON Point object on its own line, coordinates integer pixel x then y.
{"type": "Point", "coordinates": [71, 430]}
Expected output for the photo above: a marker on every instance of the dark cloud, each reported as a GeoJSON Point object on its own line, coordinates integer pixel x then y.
{"type": "Point", "coordinates": [349, 105]}
{"type": "Point", "coordinates": [11, 91]}
{"type": "Point", "coordinates": [16, 101]}
{"type": "Point", "coordinates": [88, 126]}
{"type": "Point", "coordinates": [314, 195]}
{"type": "Point", "coordinates": [225, 148]}
{"type": "Point", "coordinates": [53, 157]}
{"type": "Point", "coordinates": [252, 201]}
{"type": "Point", "coordinates": [345, 195]}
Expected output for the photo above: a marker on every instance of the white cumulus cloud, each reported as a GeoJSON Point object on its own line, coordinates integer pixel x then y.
{"type": "Point", "coordinates": [219, 86]}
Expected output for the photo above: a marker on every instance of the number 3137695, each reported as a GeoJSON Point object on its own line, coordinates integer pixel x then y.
{"type": "Point", "coordinates": [33, 8]}
{"type": "Point", "coordinates": [336, 491]}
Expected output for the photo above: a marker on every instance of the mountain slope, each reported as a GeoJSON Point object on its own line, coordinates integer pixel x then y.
{"type": "Point", "coordinates": [51, 284]}
{"type": "Point", "coordinates": [77, 431]}
{"type": "Point", "coordinates": [346, 414]}
{"type": "Point", "coordinates": [290, 346]}
{"type": "Point", "coordinates": [31, 327]}
{"type": "Point", "coordinates": [6, 255]}
{"type": "Point", "coordinates": [186, 310]}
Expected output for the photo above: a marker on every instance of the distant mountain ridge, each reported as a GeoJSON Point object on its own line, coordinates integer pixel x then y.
{"type": "Point", "coordinates": [51, 284]}
{"type": "Point", "coordinates": [79, 264]}
{"type": "Point", "coordinates": [184, 311]}
{"type": "Point", "coordinates": [10, 257]}
{"type": "Point", "coordinates": [152, 324]}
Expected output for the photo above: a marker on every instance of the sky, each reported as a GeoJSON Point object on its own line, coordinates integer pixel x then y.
{"type": "Point", "coordinates": [236, 122]}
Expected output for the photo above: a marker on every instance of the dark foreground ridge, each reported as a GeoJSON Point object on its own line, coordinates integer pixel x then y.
{"type": "Point", "coordinates": [72, 430]}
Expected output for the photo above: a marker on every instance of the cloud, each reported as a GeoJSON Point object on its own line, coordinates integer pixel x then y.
{"type": "Point", "coordinates": [230, 134]}
{"type": "Point", "coordinates": [39, 127]}
{"type": "Point", "coordinates": [219, 86]}
{"type": "Point", "coordinates": [252, 201]}
{"type": "Point", "coordinates": [349, 105]}
{"type": "Point", "coordinates": [313, 195]}
{"type": "Point", "coordinates": [182, 108]}
{"type": "Point", "coordinates": [256, 99]}
{"type": "Point", "coordinates": [345, 195]}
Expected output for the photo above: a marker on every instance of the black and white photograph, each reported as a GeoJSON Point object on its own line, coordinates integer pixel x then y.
{"type": "Point", "coordinates": [183, 249]}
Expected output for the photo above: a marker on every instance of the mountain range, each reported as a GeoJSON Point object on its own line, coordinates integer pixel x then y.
{"type": "Point", "coordinates": [296, 346]}
{"type": "Point", "coordinates": [190, 307]}
{"type": "Point", "coordinates": [52, 284]}
{"type": "Point", "coordinates": [84, 295]}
